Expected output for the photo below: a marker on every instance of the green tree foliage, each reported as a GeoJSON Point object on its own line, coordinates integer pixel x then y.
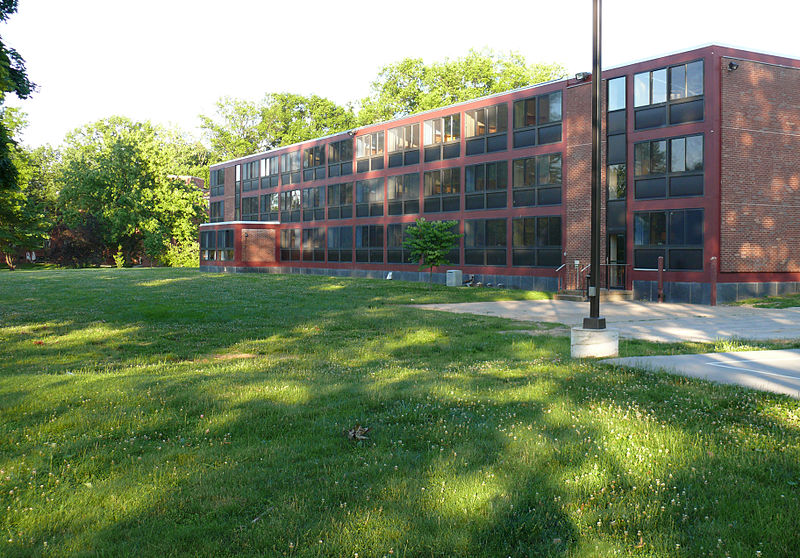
{"type": "Point", "coordinates": [120, 175]}
{"type": "Point", "coordinates": [16, 215]}
{"type": "Point", "coordinates": [243, 127]}
{"type": "Point", "coordinates": [430, 242]}
{"type": "Point", "coordinates": [410, 86]}
{"type": "Point", "coordinates": [24, 204]}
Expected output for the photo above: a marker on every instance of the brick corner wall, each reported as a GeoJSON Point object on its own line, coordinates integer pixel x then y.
{"type": "Point", "coordinates": [760, 173]}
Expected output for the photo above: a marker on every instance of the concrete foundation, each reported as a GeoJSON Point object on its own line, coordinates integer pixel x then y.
{"type": "Point", "coordinates": [594, 343]}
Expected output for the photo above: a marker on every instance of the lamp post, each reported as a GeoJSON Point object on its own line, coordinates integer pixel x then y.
{"type": "Point", "coordinates": [595, 321]}
{"type": "Point", "coordinates": [593, 340]}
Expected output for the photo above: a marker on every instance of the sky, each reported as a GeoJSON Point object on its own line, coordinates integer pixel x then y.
{"type": "Point", "coordinates": [168, 61]}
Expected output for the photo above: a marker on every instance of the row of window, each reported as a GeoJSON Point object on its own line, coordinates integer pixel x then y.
{"type": "Point", "coordinates": [535, 242]}
{"type": "Point", "coordinates": [675, 235]}
{"type": "Point", "coordinates": [537, 121]}
{"type": "Point", "coordinates": [535, 181]}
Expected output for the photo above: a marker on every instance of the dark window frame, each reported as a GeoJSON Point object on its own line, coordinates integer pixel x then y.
{"type": "Point", "coordinates": [667, 112]}
{"type": "Point", "coordinates": [369, 197]}
{"type": "Point", "coordinates": [403, 150]}
{"type": "Point", "coordinates": [340, 246]}
{"type": "Point", "coordinates": [313, 244]}
{"type": "Point", "coordinates": [402, 194]}
{"type": "Point", "coordinates": [270, 207]}
{"type": "Point", "coordinates": [528, 125]}
{"type": "Point", "coordinates": [270, 172]}
{"type": "Point", "coordinates": [649, 244]}
{"type": "Point", "coordinates": [250, 208]}
{"type": "Point", "coordinates": [216, 211]}
{"type": "Point", "coordinates": [291, 205]}
{"type": "Point", "coordinates": [477, 194]}
{"type": "Point", "coordinates": [479, 136]}
{"type": "Point", "coordinates": [547, 241]}
{"type": "Point", "coordinates": [692, 180]}
{"type": "Point", "coordinates": [314, 163]}
{"type": "Point", "coordinates": [371, 250]}
{"type": "Point", "coordinates": [337, 208]}
{"type": "Point", "coordinates": [526, 193]}
{"type": "Point", "coordinates": [216, 183]}
{"type": "Point", "coordinates": [481, 242]}
{"type": "Point", "coordinates": [291, 245]}
{"type": "Point", "coordinates": [441, 190]}
{"type": "Point", "coordinates": [340, 158]}
{"type": "Point", "coordinates": [370, 150]}
{"type": "Point", "coordinates": [313, 201]}
{"type": "Point", "coordinates": [291, 164]}
{"type": "Point", "coordinates": [448, 131]}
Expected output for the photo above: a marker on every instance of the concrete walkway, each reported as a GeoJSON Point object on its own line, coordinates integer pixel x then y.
{"type": "Point", "coordinates": [775, 371]}
{"type": "Point", "coordinates": [650, 321]}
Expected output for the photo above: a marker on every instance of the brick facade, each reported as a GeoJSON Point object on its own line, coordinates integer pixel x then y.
{"type": "Point", "coordinates": [760, 185]}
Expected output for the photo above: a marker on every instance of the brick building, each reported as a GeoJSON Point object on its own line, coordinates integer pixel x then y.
{"type": "Point", "coordinates": [701, 168]}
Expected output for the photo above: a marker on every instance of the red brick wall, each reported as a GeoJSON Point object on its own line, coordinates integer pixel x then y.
{"type": "Point", "coordinates": [230, 179]}
{"type": "Point", "coordinates": [577, 195]}
{"type": "Point", "coordinates": [258, 245]}
{"type": "Point", "coordinates": [760, 175]}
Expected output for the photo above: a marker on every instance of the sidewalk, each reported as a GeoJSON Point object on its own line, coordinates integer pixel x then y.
{"type": "Point", "coordinates": [665, 323]}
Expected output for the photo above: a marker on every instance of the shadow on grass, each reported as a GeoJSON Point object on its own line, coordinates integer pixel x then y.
{"type": "Point", "coordinates": [481, 444]}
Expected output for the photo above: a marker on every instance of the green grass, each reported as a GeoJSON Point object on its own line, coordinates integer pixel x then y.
{"type": "Point", "coordinates": [782, 301]}
{"type": "Point", "coordinates": [153, 412]}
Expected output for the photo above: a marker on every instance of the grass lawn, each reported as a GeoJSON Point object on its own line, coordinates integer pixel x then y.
{"type": "Point", "coordinates": [782, 301]}
{"type": "Point", "coordinates": [154, 412]}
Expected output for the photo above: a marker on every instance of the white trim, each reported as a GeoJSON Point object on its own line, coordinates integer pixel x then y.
{"type": "Point", "coordinates": [240, 223]}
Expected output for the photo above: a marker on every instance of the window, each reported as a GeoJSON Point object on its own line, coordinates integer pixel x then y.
{"type": "Point", "coordinates": [225, 245]}
{"type": "Point", "coordinates": [616, 94]}
{"type": "Point", "coordinates": [537, 120]}
{"type": "Point", "coordinates": [668, 168]}
{"type": "Point", "coordinates": [340, 201]}
{"type": "Point", "coordinates": [485, 242]}
{"type": "Point", "coordinates": [676, 235]}
{"type": "Point", "coordinates": [340, 158]}
{"type": "Point", "coordinates": [314, 204]}
{"type": "Point", "coordinates": [441, 137]}
{"type": "Point", "coordinates": [369, 243]}
{"type": "Point", "coordinates": [270, 207]}
{"type": "Point", "coordinates": [403, 145]}
{"type": "Point", "coordinates": [290, 168]}
{"type": "Point", "coordinates": [615, 176]}
{"type": "Point", "coordinates": [250, 176]}
{"type": "Point", "coordinates": [340, 244]}
{"type": "Point", "coordinates": [485, 185]}
{"type": "Point", "coordinates": [536, 241]}
{"type": "Point", "coordinates": [314, 163]}
{"type": "Point", "coordinates": [395, 251]}
{"type": "Point", "coordinates": [217, 183]}
{"type": "Point", "coordinates": [369, 152]}
{"type": "Point", "coordinates": [442, 190]}
{"type": "Point", "coordinates": [237, 193]}
{"type": "Point", "coordinates": [369, 198]}
{"type": "Point", "coordinates": [208, 242]}
{"type": "Point", "coordinates": [290, 245]}
{"type": "Point", "coordinates": [216, 212]}
{"type": "Point", "coordinates": [485, 129]}
{"type": "Point", "coordinates": [314, 245]}
{"type": "Point", "coordinates": [269, 172]}
{"type": "Point", "coordinates": [290, 206]}
{"type": "Point", "coordinates": [686, 80]}
{"type": "Point", "coordinates": [653, 107]}
{"type": "Point", "coordinates": [403, 194]}
{"type": "Point", "coordinates": [537, 180]}
{"type": "Point", "coordinates": [250, 208]}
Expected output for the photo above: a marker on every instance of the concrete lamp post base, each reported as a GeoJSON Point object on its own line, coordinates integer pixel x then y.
{"type": "Point", "coordinates": [594, 343]}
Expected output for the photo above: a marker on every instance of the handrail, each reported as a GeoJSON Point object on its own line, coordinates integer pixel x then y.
{"type": "Point", "coordinates": [562, 266]}
{"type": "Point", "coordinates": [587, 266]}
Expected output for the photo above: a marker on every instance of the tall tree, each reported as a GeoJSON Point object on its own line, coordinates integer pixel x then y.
{"type": "Point", "coordinates": [121, 175]}
{"type": "Point", "coordinates": [24, 205]}
{"type": "Point", "coordinates": [243, 127]}
{"type": "Point", "coordinates": [411, 86]}
{"type": "Point", "coordinates": [13, 79]}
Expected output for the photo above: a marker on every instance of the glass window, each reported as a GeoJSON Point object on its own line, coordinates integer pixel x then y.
{"type": "Point", "coordinates": [616, 94]}
{"type": "Point", "coordinates": [616, 182]}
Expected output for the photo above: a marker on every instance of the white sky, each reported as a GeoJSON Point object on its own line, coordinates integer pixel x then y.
{"type": "Point", "coordinates": [170, 60]}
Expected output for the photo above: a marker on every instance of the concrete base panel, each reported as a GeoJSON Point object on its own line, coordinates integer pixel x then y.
{"type": "Point", "coordinates": [594, 343]}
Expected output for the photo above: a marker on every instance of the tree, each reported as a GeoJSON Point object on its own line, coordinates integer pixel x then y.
{"type": "Point", "coordinates": [430, 242]}
{"type": "Point", "coordinates": [411, 86]}
{"type": "Point", "coordinates": [243, 127]}
{"type": "Point", "coordinates": [121, 175]}
{"type": "Point", "coordinates": [23, 206]}
{"type": "Point", "coordinates": [16, 217]}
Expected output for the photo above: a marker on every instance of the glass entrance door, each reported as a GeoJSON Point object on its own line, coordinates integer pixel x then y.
{"type": "Point", "coordinates": [615, 269]}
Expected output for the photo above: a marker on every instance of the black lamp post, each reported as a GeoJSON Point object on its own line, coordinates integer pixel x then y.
{"type": "Point", "coordinates": [594, 321]}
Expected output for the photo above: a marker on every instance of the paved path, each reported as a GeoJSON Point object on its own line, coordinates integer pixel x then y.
{"type": "Point", "coordinates": [650, 321]}
{"type": "Point", "coordinates": [776, 371]}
